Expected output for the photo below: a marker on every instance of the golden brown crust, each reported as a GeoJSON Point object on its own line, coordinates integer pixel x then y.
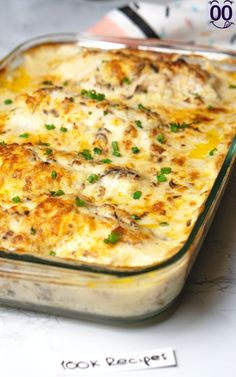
{"type": "Point", "coordinates": [109, 156]}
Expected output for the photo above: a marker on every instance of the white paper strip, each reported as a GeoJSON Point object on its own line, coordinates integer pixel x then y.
{"type": "Point", "coordinates": [114, 362]}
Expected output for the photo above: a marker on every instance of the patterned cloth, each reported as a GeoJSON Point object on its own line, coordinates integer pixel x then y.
{"type": "Point", "coordinates": [183, 20]}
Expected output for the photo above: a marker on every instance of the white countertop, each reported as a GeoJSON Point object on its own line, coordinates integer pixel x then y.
{"type": "Point", "coordinates": [202, 328]}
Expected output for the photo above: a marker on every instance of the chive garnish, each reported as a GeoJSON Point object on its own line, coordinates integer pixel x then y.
{"type": "Point", "coordinates": [115, 148]}
{"type": "Point", "coordinates": [176, 127]}
{"type": "Point", "coordinates": [48, 151]}
{"type": "Point", "coordinates": [135, 217]}
{"type": "Point", "coordinates": [63, 129]}
{"type": "Point", "coordinates": [79, 202]}
{"type": "Point", "coordinates": [141, 107]}
{"type": "Point", "coordinates": [32, 231]}
{"type": "Point", "coordinates": [50, 127]}
{"type": "Point", "coordinates": [138, 123]}
{"type": "Point", "coordinates": [212, 152]}
{"type": "Point", "coordinates": [43, 144]}
{"type": "Point", "coordinates": [161, 178]}
{"type": "Point", "coordinates": [92, 94]}
{"type": "Point", "coordinates": [161, 138]}
{"type": "Point", "coordinates": [16, 199]}
{"type": "Point", "coordinates": [53, 174]}
{"type": "Point", "coordinates": [196, 95]}
{"type": "Point", "coordinates": [87, 154]}
{"type": "Point", "coordinates": [47, 82]}
{"type": "Point", "coordinates": [24, 136]}
{"type": "Point", "coordinates": [106, 161]}
{"type": "Point", "coordinates": [8, 101]}
{"type": "Point", "coordinates": [52, 253]}
{"type": "Point", "coordinates": [57, 193]}
{"type": "Point", "coordinates": [137, 195]}
{"type": "Point", "coordinates": [166, 170]}
{"type": "Point", "coordinates": [135, 150]}
{"type": "Point", "coordinates": [93, 178]}
{"type": "Point", "coordinates": [112, 238]}
{"type": "Point", "coordinates": [97, 151]}
{"type": "Point", "coordinates": [126, 80]}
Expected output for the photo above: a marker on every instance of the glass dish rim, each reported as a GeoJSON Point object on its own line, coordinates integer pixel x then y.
{"type": "Point", "coordinates": [151, 45]}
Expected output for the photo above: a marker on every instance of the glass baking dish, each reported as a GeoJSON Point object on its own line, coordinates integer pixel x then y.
{"type": "Point", "coordinates": [99, 293]}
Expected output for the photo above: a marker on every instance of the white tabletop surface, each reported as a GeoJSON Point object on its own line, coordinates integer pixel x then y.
{"type": "Point", "coordinates": [202, 329]}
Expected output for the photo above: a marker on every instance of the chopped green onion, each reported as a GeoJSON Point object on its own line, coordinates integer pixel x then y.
{"type": "Point", "coordinates": [92, 94]}
{"type": "Point", "coordinates": [16, 199]}
{"type": "Point", "coordinates": [106, 161]}
{"type": "Point", "coordinates": [90, 113]}
{"type": "Point", "coordinates": [212, 152]}
{"type": "Point", "coordinates": [231, 86]}
{"type": "Point", "coordinates": [43, 144]}
{"type": "Point", "coordinates": [24, 136]}
{"type": "Point", "coordinates": [137, 195]}
{"type": "Point", "coordinates": [165, 170]}
{"type": "Point", "coordinates": [135, 217]}
{"type": "Point", "coordinates": [8, 102]}
{"type": "Point", "coordinates": [141, 107]}
{"type": "Point", "coordinates": [86, 154]}
{"type": "Point", "coordinates": [126, 80]}
{"type": "Point", "coordinates": [50, 127]}
{"type": "Point", "coordinates": [210, 107]}
{"type": "Point", "coordinates": [138, 123]}
{"type": "Point", "coordinates": [79, 202]}
{"type": "Point", "coordinates": [115, 148]}
{"type": "Point", "coordinates": [63, 129]}
{"type": "Point", "coordinates": [164, 223]}
{"type": "Point", "coordinates": [161, 178]}
{"type": "Point", "coordinates": [161, 138]}
{"type": "Point", "coordinates": [52, 253]}
{"type": "Point", "coordinates": [32, 231]}
{"type": "Point", "coordinates": [196, 95]}
{"type": "Point", "coordinates": [93, 178]}
{"type": "Point", "coordinates": [48, 151]}
{"type": "Point", "coordinates": [47, 82]}
{"type": "Point", "coordinates": [113, 238]}
{"type": "Point", "coordinates": [65, 83]}
{"type": "Point", "coordinates": [97, 151]}
{"type": "Point", "coordinates": [105, 112]}
{"type": "Point", "coordinates": [2, 142]}
{"type": "Point", "coordinates": [116, 154]}
{"type": "Point", "coordinates": [135, 150]}
{"type": "Point", "coordinates": [176, 127]}
{"type": "Point", "coordinates": [53, 174]}
{"type": "Point", "coordinates": [57, 193]}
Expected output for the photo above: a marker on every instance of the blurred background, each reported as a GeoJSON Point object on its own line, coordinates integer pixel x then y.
{"type": "Point", "coordinates": [23, 19]}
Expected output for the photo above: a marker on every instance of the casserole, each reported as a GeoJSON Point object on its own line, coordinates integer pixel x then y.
{"type": "Point", "coordinates": [116, 164]}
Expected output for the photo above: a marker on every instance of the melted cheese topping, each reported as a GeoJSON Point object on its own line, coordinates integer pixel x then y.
{"type": "Point", "coordinates": [107, 157]}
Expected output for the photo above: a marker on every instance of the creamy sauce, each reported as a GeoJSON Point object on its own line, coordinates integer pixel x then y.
{"type": "Point", "coordinates": [109, 155]}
